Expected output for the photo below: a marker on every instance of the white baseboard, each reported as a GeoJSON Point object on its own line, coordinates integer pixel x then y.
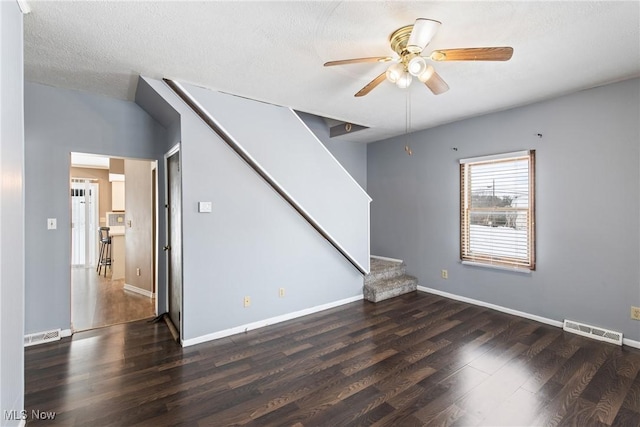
{"type": "Point", "coordinates": [138, 290]}
{"type": "Point", "coordinates": [267, 322]}
{"type": "Point", "coordinates": [65, 333]}
{"type": "Point", "coordinates": [530, 316]}
{"type": "Point", "coordinates": [631, 343]}
{"type": "Point", "coordinates": [384, 258]}
{"type": "Point", "coordinates": [625, 341]}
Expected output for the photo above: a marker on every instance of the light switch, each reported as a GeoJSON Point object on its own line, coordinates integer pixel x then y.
{"type": "Point", "coordinates": [204, 206]}
{"type": "Point", "coordinates": [52, 223]}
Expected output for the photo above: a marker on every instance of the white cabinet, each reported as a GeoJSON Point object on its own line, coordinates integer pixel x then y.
{"type": "Point", "coordinates": [117, 196]}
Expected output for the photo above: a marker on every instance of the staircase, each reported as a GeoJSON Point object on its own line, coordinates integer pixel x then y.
{"type": "Point", "coordinates": [387, 279]}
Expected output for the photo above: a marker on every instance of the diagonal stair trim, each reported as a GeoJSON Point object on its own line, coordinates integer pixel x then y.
{"type": "Point", "coordinates": [244, 155]}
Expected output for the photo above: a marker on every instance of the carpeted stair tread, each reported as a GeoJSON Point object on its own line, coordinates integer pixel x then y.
{"type": "Point", "coordinates": [389, 288]}
{"type": "Point", "coordinates": [387, 279]}
{"type": "Point", "coordinates": [377, 264]}
{"type": "Point", "coordinates": [383, 269]}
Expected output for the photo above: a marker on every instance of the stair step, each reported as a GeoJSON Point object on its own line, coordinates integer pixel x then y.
{"type": "Point", "coordinates": [390, 287]}
{"type": "Point", "coordinates": [381, 269]}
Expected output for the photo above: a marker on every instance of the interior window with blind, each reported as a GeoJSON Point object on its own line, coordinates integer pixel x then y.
{"type": "Point", "coordinates": [497, 223]}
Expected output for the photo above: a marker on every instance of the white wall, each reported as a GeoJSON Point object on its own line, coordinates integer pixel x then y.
{"type": "Point", "coordinates": [587, 205]}
{"type": "Point", "coordinates": [11, 214]}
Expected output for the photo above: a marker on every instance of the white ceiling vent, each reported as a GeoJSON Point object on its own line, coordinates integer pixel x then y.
{"type": "Point", "coordinates": [42, 337]}
{"type": "Point", "coordinates": [594, 332]}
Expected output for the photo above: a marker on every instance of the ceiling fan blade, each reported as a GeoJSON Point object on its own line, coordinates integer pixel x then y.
{"type": "Point", "coordinates": [436, 84]}
{"type": "Point", "coordinates": [358, 60]}
{"type": "Point", "coordinates": [422, 33]}
{"type": "Point", "coordinates": [473, 54]}
{"type": "Point", "coordinates": [371, 85]}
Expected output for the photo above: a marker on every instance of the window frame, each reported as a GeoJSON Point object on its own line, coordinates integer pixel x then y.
{"type": "Point", "coordinates": [493, 260]}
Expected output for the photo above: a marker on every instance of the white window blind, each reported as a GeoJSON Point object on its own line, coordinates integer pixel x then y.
{"type": "Point", "coordinates": [497, 224]}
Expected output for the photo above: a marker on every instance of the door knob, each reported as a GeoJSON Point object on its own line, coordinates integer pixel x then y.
{"type": "Point", "coordinates": [166, 248]}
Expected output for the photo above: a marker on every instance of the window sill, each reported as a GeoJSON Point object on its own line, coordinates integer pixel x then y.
{"type": "Point", "coordinates": [497, 267]}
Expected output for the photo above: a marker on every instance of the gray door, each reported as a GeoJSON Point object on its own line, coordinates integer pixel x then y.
{"type": "Point", "coordinates": [174, 223]}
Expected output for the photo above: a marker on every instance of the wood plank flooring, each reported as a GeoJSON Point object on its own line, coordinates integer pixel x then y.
{"type": "Point", "coordinates": [98, 301]}
{"type": "Point", "coordinates": [418, 359]}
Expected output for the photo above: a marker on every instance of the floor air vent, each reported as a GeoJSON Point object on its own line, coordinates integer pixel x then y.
{"type": "Point", "coordinates": [593, 332]}
{"type": "Point", "coordinates": [42, 337]}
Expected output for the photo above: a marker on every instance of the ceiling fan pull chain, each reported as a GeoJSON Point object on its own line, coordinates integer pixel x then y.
{"type": "Point", "coordinates": [407, 123]}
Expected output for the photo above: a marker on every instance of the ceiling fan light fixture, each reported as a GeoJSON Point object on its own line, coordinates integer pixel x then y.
{"type": "Point", "coordinates": [437, 55]}
{"type": "Point", "coordinates": [404, 81]}
{"type": "Point", "coordinates": [408, 61]}
{"type": "Point", "coordinates": [417, 66]}
{"type": "Point", "coordinates": [422, 33]}
{"type": "Point", "coordinates": [394, 72]}
{"type": "Point", "coordinates": [426, 74]}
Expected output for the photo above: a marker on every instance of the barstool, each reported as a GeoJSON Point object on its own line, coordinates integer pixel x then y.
{"type": "Point", "coordinates": [104, 258]}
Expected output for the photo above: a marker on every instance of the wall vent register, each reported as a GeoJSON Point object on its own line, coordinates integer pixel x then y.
{"type": "Point", "coordinates": [115, 221]}
{"type": "Point", "coordinates": [594, 332]}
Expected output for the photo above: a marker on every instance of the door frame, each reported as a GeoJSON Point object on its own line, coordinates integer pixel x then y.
{"type": "Point", "coordinates": [172, 151]}
{"type": "Point", "coordinates": [155, 248]}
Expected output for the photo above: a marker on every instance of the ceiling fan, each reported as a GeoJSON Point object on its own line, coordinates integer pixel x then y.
{"type": "Point", "coordinates": [408, 42]}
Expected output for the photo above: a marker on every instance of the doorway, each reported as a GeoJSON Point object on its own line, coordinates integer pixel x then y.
{"type": "Point", "coordinates": [109, 298]}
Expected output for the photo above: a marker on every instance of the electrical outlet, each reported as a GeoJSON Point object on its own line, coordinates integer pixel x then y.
{"type": "Point", "coordinates": [281, 292]}
{"type": "Point", "coordinates": [445, 274]}
{"type": "Point", "coordinates": [247, 301]}
{"type": "Point", "coordinates": [137, 271]}
{"type": "Point", "coordinates": [635, 313]}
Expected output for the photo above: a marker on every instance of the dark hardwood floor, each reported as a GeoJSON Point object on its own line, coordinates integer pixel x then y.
{"type": "Point", "coordinates": [418, 359]}
{"type": "Point", "coordinates": [98, 301]}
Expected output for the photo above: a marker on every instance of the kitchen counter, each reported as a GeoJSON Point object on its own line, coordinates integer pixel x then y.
{"type": "Point", "coordinates": [116, 231]}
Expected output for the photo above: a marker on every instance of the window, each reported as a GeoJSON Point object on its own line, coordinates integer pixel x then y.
{"type": "Point", "coordinates": [497, 223]}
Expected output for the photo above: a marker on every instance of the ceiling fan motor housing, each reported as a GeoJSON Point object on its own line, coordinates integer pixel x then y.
{"type": "Point", "coordinates": [399, 38]}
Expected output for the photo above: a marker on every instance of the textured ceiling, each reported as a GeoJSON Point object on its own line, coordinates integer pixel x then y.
{"type": "Point", "coordinates": [273, 51]}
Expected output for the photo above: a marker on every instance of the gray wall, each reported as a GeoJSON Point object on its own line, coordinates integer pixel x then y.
{"type": "Point", "coordinates": [252, 243]}
{"type": "Point", "coordinates": [352, 155]}
{"type": "Point", "coordinates": [11, 213]}
{"type": "Point", "coordinates": [57, 122]}
{"type": "Point", "coordinates": [281, 143]}
{"type": "Point", "coordinates": [587, 205]}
